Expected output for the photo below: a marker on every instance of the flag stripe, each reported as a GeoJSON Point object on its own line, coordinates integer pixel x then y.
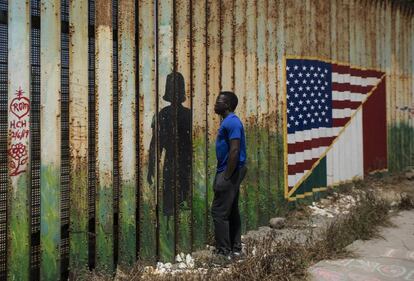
{"type": "Point", "coordinates": [342, 87]}
{"type": "Point", "coordinates": [301, 166]}
{"type": "Point", "coordinates": [341, 104]}
{"type": "Point", "coordinates": [309, 144]}
{"type": "Point", "coordinates": [358, 81]}
{"type": "Point", "coordinates": [345, 69]}
{"type": "Point", "coordinates": [340, 122]}
{"type": "Point", "coordinates": [347, 95]}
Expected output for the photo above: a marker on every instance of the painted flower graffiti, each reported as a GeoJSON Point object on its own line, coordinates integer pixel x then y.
{"type": "Point", "coordinates": [19, 157]}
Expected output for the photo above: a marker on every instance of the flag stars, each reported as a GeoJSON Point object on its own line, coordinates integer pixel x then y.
{"type": "Point", "coordinates": [287, 68]}
{"type": "Point", "coordinates": [291, 75]}
{"type": "Point", "coordinates": [308, 74]}
{"type": "Point", "coordinates": [300, 88]}
{"type": "Point", "coordinates": [295, 67]}
{"type": "Point", "coordinates": [304, 67]}
{"type": "Point", "coordinates": [300, 74]}
{"type": "Point", "coordinates": [296, 109]}
{"type": "Point", "coordinates": [300, 102]}
{"type": "Point", "coordinates": [292, 89]}
{"type": "Point", "coordinates": [296, 81]}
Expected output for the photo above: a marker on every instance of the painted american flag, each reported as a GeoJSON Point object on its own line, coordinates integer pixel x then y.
{"type": "Point", "coordinates": [321, 98]}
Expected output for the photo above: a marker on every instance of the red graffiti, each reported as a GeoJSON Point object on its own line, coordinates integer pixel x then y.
{"type": "Point", "coordinates": [20, 106]}
{"type": "Point", "coordinates": [19, 157]}
{"type": "Point", "coordinates": [18, 133]}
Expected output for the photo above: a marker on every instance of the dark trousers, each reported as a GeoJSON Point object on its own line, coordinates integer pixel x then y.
{"type": "Point", "coordinates": [226, 215]}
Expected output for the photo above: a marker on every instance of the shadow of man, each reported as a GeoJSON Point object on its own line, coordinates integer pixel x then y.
{"type": "Point", "coordinates": [174, 138]}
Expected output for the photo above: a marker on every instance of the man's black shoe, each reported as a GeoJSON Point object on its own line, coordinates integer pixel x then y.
{"type": "Point", "coordinates": [238, 255]}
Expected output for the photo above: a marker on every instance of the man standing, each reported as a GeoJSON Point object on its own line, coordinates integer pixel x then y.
{"type": "Point", "coordinates": [231, 169]}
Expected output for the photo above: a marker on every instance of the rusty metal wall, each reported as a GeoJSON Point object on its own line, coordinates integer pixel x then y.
{"type": "Point", "coordinates": [164, 65]}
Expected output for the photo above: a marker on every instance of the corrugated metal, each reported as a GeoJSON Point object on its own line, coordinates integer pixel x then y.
{"type": "Point", "coordinates": [149, 101]}
{"type": "Point", "coordinates": [127, 132]}
{"type": "Point", "coordinates": [104, 218]}
{"type": "Point", "coordinates": [78, 132]}
{"type": "Point", "coordinates": [51, 134]}
{"type": "Point", "coordinates": [19, 150]}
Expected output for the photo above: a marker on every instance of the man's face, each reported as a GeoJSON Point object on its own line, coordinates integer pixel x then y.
{"type": "Point", "coordinates": [221, 105]}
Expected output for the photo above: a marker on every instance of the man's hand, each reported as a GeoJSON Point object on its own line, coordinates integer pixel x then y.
{"type": "Point", "coordinates": [233, 160]}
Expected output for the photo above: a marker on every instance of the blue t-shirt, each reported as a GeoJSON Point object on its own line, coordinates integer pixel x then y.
{"type": "Point", "coordinates": [230, 128]}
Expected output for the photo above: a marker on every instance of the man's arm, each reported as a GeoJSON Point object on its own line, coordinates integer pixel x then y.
{"type": "Point", "coordinates": [233, 160]}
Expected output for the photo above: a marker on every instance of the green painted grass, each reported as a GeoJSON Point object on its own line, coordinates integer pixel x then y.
{"type": "Point", "coordinates": [200, 208]}
{"type": "Point", "coordinates": [78, 238]}
{"type": "Point", "coordinates": [50, 222]}
{"type": "Point", "coordinates": [127, 223]}
{"type": "Point", "coordinates": [400, 147]}
{"type": "Point", "coordinates": [18, 230]}
{"type": "Point", "coordinates": [104, 229]}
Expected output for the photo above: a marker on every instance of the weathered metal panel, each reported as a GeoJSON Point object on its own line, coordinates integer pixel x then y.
{"type": "Point", "coordinates": [184, 195]}
{"type": "Point", "coordinates": [166, 130]}
{"type": "Point", "coordinates": [251, 114]}
{"type": "Point", "coordinates": [50, 139]}
{"type": "Point", "coordinates": [271, 25]}
{"type": "Point", "coordinates": [18, 140]}
{"type": "Point", "coordinates": [262, 114]}
{"type": "Point", "coordinates": [148, 168]}
{"type": "Point", "coordinates": [240, 83]}
{"type": "Point", "coordinates": [127, 132]}
{"type": "Point", "coordinates": [200, 178]}
{"type": "Point", "coordinates": [227, 44]}
{"type": "Point", "coordinates": [78, 132]}
{"type": "Point", "coordinates": [280, 102]}
{"type": "Point", "coordinates": [213, 88]}
{"type": "Point", "coordinates": [104, 131]}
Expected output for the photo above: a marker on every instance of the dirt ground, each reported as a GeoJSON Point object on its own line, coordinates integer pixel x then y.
{"type": "Point", "coordinates": [310, 234]}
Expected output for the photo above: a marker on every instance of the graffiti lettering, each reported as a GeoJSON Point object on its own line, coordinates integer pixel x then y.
{"type": "Point", "coordinates": [19, 134]}
{"type": "Point", "coordinates": [18, 124]}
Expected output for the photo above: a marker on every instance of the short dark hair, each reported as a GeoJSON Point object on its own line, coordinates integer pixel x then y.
{"type": "Point", "coordinates": [232, 98]}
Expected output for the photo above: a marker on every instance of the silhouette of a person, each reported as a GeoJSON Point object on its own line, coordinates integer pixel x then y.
{"type": "Point", "coordinates": [175, 139]}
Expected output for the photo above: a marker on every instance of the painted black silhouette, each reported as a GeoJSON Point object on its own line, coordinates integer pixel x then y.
{"type": "Point", "coordinates": [174, 133]}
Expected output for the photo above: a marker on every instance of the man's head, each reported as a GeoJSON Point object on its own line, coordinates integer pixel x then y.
{"type": "Point", "coordinates": [226, 102]}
